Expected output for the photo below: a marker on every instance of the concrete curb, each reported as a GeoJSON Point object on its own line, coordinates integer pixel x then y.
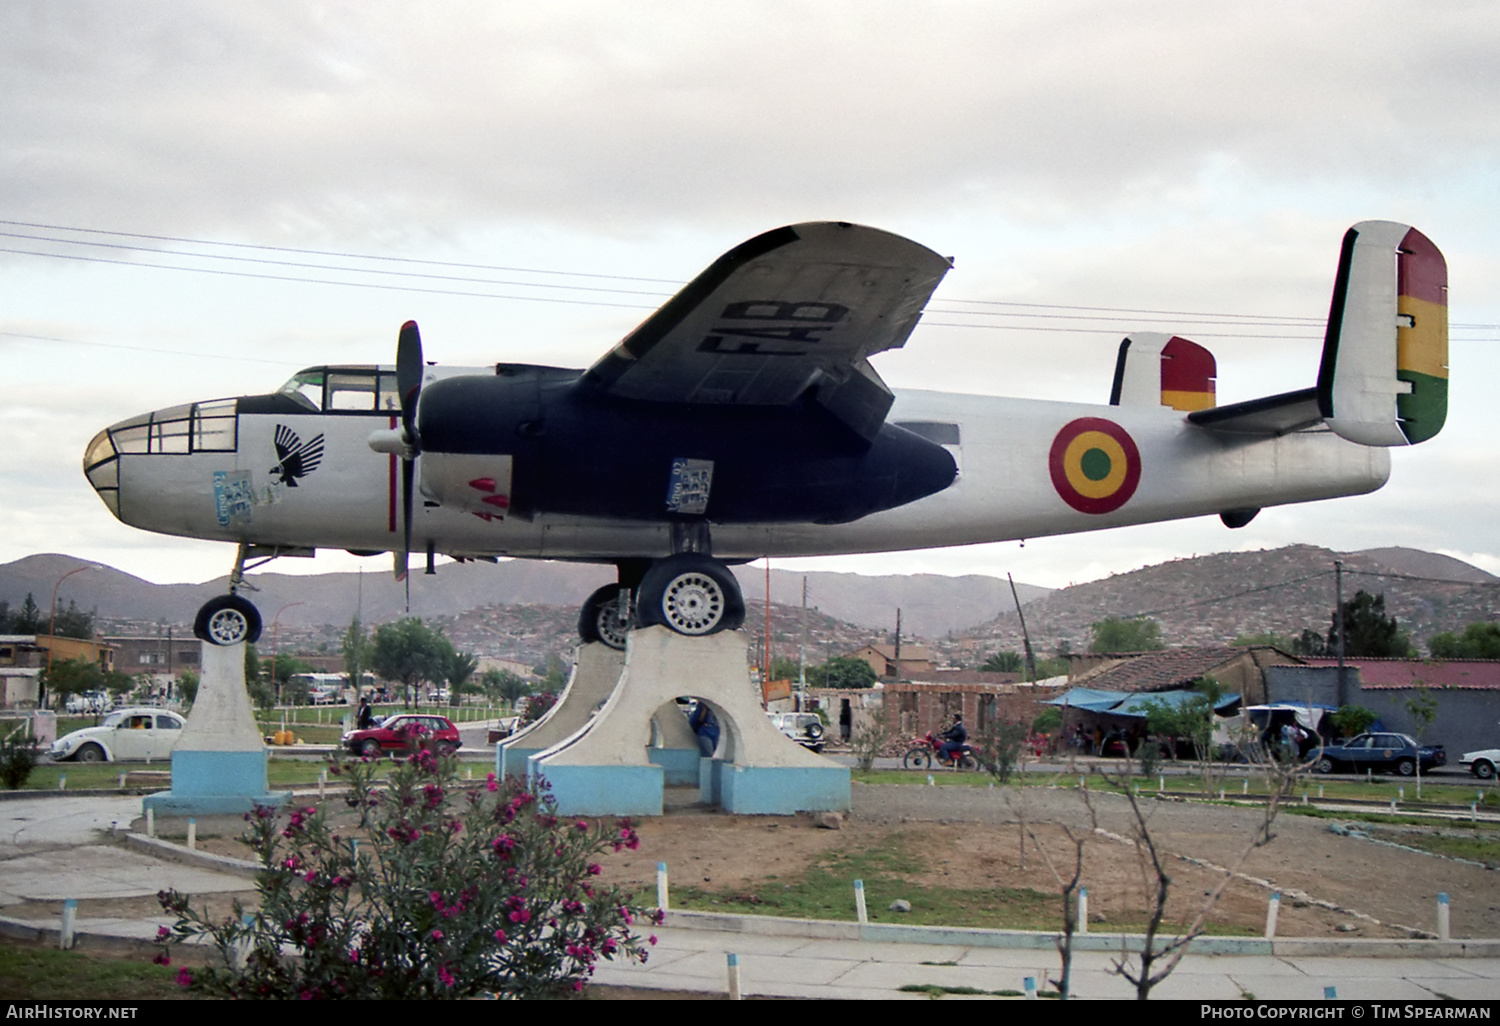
{"type": "Point", "coordinates": [170, 852]}
{"type": "Point", "coordinates": [898, 933]}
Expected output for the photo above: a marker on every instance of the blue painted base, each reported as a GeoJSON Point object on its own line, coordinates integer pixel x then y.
{"type": "Point", "coordinates": [605, 790]}
{"type": "Point", "coordinates": [679, 764]}
{"type": "Point", "coordinates": [214, 783]}
{"type": "Point", "coordinates": [783, 790]}
{"type": "Point", "coordinates": [710, 781]}
{"type": "Point", "coordinates": [510, 761]}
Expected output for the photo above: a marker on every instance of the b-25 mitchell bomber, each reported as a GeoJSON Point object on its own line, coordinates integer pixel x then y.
{"type": "Point", "coordinates": [743, 419]}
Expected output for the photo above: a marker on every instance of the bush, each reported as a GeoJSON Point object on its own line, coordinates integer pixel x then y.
{"type": "Point", "coordinates": [448, 895]}
{"type": "Point", "coordinates": [17, 760]}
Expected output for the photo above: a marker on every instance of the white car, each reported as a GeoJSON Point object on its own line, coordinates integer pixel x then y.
{"type": "Point", "coordinates": [1482, 763]}
{"type": "Point", "coordinates": [804, 728]}
{"type": "Point", "coordinates": [125, 734]}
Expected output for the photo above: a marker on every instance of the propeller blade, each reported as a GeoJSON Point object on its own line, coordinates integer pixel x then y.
{"type": "Point", "coordinates": [408, 472]}
{"type": "Point", "coordinates": [409, 374]}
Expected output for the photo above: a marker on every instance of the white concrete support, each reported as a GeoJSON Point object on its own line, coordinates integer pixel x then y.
{"type": "Point", "coordinates": [1083, 910]}
{"type": "Point", "coordinates": [661, 886]}
{"type": "Point", "coordinates": [596, 672]}
{"type": "Point", "coordinates": [1272, 910]}
{"type": "Point", "coordinates": [606, 766]}
{"type": "Point", "coordinates": [733, 969]}
{"type": "Point", "coordinates": [861, 914]}
{"type": "Point", "coordinates": [1442, 915]}
{"type": "Point", "coordinates": [219, 764]}
{"type": "Point", "coordinates": [69, 918]}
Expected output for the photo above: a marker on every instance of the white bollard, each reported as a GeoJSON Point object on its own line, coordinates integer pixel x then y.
{"type": "Point", "coordinates": [661, 886]}
{"type": "Point", "coordinates": [70, 913]}
{"type": "Point", "coordinates": [1320, 790]}
{"type": "Point", "coordinates": [930, 781]}
{"type": "Point", "coordinates": [1272, 910]}
{"type": "Point", "coordinates": [1442, 915]}
{"type": "Point", "coordinates": [241, 947]}
{"type": "Point", "coordinates": [322, 784]}
{"type": "Point", "coordinates": [1030, 988]}
{"type": "Point", "coordinates": [150, 822]}
{"type": "Point", "coordinates": [1161, 782]}
{"type": "Point", "coordinates": [1083, 910]}
{"type": "Point", "coordinates": [859, 903]}
{"type": "Point", "coordinates": [122, 781]}
{"type": "Point", "coordinates": [192, 834]}
{"type": "Point", "coordinates": [62, 781]}
{"type": "Point", "coordinates": [1245, 786]}
{"type": "Point", "coordinates": [734, 976]}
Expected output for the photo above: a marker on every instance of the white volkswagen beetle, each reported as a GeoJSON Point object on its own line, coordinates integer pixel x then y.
{"type": "Point", "coordinates": [1482, 763]}
{"type": "Point", "coordinates": [125, 734]}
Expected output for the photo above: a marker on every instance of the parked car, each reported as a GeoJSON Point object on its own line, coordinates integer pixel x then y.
{"type": "Point", "coordinates": [125, 734]}
{"type": "Point", "coordinates": [1383, 752]}
{"type": "Point", "coordinates": [401, 732]}
{"type": "Point", "coordinates": [804, 728]}
{"type": "Point", "coordinates": [1482, 763]}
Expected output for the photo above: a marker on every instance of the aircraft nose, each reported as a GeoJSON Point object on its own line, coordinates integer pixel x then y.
{"type": "Point", "coordinates": [101, 465]}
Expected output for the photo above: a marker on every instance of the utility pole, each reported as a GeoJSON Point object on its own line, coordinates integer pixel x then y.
{"type": "Point", "coordinates": [1025, 636]}
{"type": "Point", "coordinates": [897, 660]}
{"type": "Point", "coordinates": [1338, 619]}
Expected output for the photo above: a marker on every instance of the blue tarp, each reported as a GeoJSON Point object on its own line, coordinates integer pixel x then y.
{"type": "Point", "coordinates": [1130, 703]}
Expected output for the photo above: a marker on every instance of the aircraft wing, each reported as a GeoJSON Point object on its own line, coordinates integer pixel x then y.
{"type": "Point", "coordinates": [1273, 415]}
{"type": "Point", "coordinates": [790, 314]}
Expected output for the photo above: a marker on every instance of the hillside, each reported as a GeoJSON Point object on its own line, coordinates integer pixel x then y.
{"type": "Point", "coordinates": [1213, 599]}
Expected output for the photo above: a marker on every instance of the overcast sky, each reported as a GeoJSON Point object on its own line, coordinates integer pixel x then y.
{"type": "Point", "coordinates": [1185, 156]}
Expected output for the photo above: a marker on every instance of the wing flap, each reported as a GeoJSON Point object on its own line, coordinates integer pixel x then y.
{"type": "Point", "coordinates": [797, 308]}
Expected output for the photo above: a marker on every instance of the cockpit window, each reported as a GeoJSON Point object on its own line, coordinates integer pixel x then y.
{"type": "Point", "coordinates": [307, 388]}
{"type": "Point", "coordinates": [344, 390]}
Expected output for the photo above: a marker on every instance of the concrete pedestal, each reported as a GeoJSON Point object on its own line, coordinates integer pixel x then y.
{"type": "Point", "coordinates": [219, 764]}
{"type": "Point", "coordinates": [596, 673]}
{"type": "Point", "coordinates": [608, 766]}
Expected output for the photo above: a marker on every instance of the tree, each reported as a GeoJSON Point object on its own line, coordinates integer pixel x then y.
{"type": "Point", "coordinates": [1478, 641]}
{"type": "Point", "coordinates": [843, 672]}
{"type": "Point", "coordinates": [1367, 630]}
{"type": "Point", "coordinates": [1004, 662]}
{"type": "Point", "coordinates": [502, 684]}
{"type": "Point", "coordinates": [187, 687]}
{"type": "Point", "coordinates": [1191, 720]}
{"type": "Point", "coordinates": [1311, 643]}
{"type": "Point", "coordinates": [460, 667]}
{"type": "Point", "coordinates": [69, 677]}
{"type": "Point", "coordinates": [1117, 634]}
{"type": "Point", "coordinates": [29, 618]}
{"type": "Point", "coordinates": [410, 652]}
{"type": "Point", "coordinates": [1422, 708]}
{"type": "Point", "coordinates": [784, 669]}
{"type": "Point", "coordinates": [7, 619]}
{"type": "Point", "coordinates": [72, 622]}
{"type": "Point", "coordinates": [355, 646]}
{"type": "Point", "coordinates": [1351, 720]}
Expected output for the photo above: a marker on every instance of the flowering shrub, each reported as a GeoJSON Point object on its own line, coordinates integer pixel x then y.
{"type": "Point", "coordinates": [446, 895]}
{"type": "Point", "coordinates": [536, 706]}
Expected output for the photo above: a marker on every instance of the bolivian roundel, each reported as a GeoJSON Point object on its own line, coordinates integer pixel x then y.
{"type": "Point", "coordinates": [1095, 465]}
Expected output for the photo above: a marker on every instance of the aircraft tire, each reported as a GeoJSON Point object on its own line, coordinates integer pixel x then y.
{"type": "Point", "coordinates": [227, 620]}
{"type": "Point", "coordinates": [600, 619]}
{"type": "Point", "coordinates": [690, 594]}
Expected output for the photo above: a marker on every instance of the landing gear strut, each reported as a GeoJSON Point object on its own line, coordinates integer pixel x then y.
{"type": "Point", "coordinates": [689, 593]}
{"type": "Point", "coordinates": [230, 619]}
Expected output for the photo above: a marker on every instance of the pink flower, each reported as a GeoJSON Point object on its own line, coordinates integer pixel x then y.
{"type": "Point", "coordinates": [163, 959]}
{"type": "Point", "coordinates": [500, 936]}
{"type": "Point", "coordinates": [581, 826]}
{"type": "Point", "coordinates": [162, 933]}
{"type": "Point", "coordinates": [184, 978]}
{"type": "Point", "coordinates": [437, 935]}
{"type": "Point", "coordinates": [445, 976]}
{"type": "Point", "coordinates": [578, 986]}
{"type": "Point", "coordinates": [652, 940]}
{"type": "Point", "coordinates": [491, 784]}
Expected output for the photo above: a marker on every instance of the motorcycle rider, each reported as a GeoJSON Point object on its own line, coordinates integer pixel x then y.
{"type": "Point", "coordinates": [955, 739]}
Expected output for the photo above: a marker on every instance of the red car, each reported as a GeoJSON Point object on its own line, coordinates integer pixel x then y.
{"type": "Point", "coordinates": [402, 732]}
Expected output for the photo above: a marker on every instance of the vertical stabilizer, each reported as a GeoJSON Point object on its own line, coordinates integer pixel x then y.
{"type": "Point", "coordinates": [1384, 375]}
{"type": "Point", "coordinates": [1155, 369]}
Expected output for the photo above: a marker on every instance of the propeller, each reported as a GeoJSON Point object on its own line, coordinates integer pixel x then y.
{"type": "Point", "coordinates": [409, 386]}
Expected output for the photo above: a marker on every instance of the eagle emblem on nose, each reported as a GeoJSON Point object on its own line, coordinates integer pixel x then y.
{"type": "Point", "coordinates": [294, 459]}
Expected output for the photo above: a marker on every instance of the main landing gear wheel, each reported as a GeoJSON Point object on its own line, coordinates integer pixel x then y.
{"type": "Point", "coordinates": [601, 621]}
{"type": "Point", "coordinates": [691, 594]}
{"type": "Point", "coordinates": [227, 620]}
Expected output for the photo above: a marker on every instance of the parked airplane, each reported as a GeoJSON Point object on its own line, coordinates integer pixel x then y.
{"type": "Point", "coordinates": [743, 419]}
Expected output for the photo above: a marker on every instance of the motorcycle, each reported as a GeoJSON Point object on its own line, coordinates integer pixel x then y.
{"type": "Point", "coordinates": [929, 749]}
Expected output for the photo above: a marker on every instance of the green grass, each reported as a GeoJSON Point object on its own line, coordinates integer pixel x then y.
{"type": "Point", "coordinates": [1476, 849]}
{"type": "Point", "coordinates": [32, 971]}
{"type": "Point", "coordinates": [95, 776]}
{"type": "Point", "coordinates": [826, 891]}
{"type": "Point", "coordinates": [1380, 789]}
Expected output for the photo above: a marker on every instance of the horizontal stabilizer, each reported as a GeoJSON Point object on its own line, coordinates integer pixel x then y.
{"type": "Point", "coordinates": [1273, 415]}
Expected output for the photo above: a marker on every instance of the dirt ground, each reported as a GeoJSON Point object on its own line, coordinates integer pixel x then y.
{"type": "Point", "coordinates": [1332, 885]}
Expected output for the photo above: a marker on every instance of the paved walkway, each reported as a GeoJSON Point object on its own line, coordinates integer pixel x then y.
{"type": "Point", "coordinates": [58, 847]}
